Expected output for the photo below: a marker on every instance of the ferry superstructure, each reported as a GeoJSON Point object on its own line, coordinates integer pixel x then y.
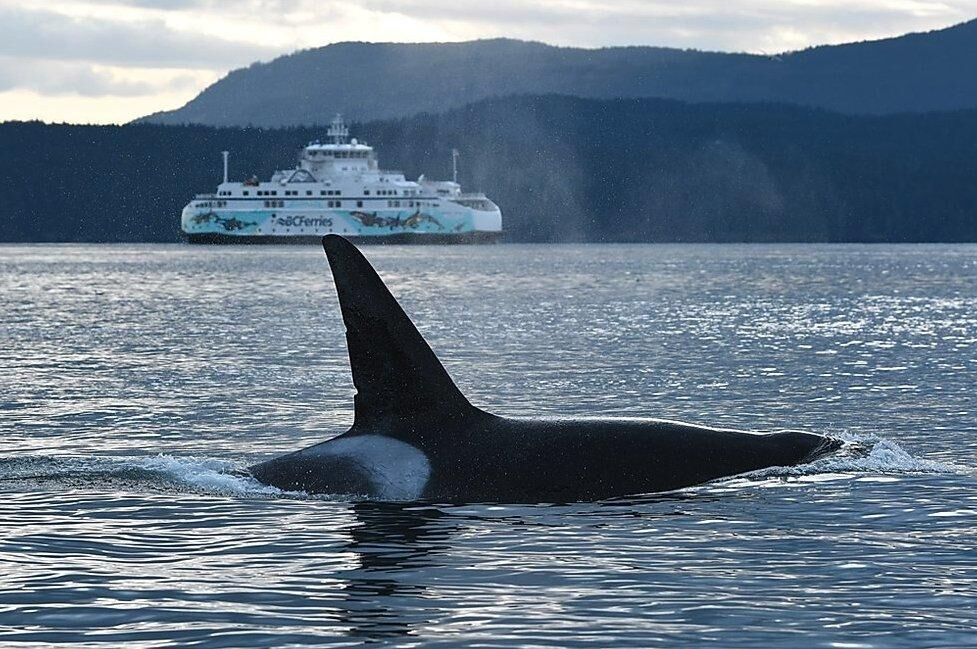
{"type": "Point", "coordinates": [339, 188]}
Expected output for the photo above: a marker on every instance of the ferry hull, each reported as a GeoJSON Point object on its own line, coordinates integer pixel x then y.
{"type": "Point", "coordinates": [204, 222]}
{"type": "Point", "coordinates": [412, 238]}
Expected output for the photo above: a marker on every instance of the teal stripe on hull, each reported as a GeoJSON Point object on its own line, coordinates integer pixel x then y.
{"type": "Point", "coordinates": [395, 238]}
{"type": "Point", "coordinates": [352, 223]}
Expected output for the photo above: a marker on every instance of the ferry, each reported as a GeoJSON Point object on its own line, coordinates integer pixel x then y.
{"type": "Point", "coordinates": [338, 188]}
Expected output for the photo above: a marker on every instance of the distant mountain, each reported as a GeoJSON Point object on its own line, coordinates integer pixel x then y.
{"type": "Point", "coordinates": [561, 168]}
{"type": "Point", "coordinates": [369, 81]}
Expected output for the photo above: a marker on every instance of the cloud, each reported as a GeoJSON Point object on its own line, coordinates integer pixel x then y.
{"type": "Point", "coordinates": [744, 25]}
{"type": "Point", "coordinates": [56, 78]}
{"type": "Point", "coordinates": [143, 43]}
{"type": "Point", "coordinates": [130, 52]}
{"type": "Point", "coordinates": [27, 105]}
{"type": "Point", "coordinates": [154, 5]}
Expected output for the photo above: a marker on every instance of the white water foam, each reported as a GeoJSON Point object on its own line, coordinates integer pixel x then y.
{"type": "Point", "coordinates": [166, 472]}
{"type": "Point", "coordinates": [863, 454]}
{"type": "Point", "coordinates": [206, 474]}
{"type": "Point", "coordinates": [883, 456]}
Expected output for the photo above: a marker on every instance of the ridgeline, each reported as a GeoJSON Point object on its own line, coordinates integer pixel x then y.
{"type": "Point", "coordinates": [371, 81]}
{"type": "Point", "coordinates": [561, 168]}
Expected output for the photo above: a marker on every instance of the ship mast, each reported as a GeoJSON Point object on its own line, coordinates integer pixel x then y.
{"type": "Point", "coordinates": [454, 165]}
{"type": "Point", "coordinates": [225, 154]}
{"type": "Point", "coordinates": [337, 130]}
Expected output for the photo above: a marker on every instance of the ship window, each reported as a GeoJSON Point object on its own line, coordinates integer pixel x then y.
{"type": "Point", "coordinates": [366, 192]}
{"type": "Point", "coordinates": [338, 193]}
{"type": "Point", "coordinates": [359, 203]}
{"type": "Point", "coordinates": [308, 192]}
{"type": "Point", "coordinates": [245, 192]}
{"type": "Point", "coordinates": [274, 193]}
{"type": "Point", "coordinates": [322, 193]}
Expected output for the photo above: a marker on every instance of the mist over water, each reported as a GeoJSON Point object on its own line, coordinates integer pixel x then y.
{"type": "Point", "coordinates": [137, 382]}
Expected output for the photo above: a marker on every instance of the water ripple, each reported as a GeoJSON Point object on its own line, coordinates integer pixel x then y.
{"type": "Point", "coordinates": [138, 382]}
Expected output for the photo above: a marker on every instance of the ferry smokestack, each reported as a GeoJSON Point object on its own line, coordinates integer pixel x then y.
{"type": "Point", "coordinates": [225, 154]}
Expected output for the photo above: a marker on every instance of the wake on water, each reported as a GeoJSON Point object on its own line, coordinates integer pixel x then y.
{"type": "Point", "coordinates": [212, 476]}
{"type": "Point", "coordinates": [163, 473]}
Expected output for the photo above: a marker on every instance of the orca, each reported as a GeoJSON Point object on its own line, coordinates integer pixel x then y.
{"type": "Point", "coordinates": [416, 437]}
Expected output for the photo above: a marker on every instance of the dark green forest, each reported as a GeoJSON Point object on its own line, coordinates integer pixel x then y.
{"type": "Point", "coordinates": [561, 168]}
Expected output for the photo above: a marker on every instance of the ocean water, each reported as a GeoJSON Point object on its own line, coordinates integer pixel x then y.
{"type": "Point", "coordinates": [136, 382]}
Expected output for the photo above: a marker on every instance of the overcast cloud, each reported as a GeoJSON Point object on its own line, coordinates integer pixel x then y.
{"type": "Point", "coordinates": [119, 59]}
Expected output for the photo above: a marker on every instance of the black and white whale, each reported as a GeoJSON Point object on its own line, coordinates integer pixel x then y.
{"type": "Point", "coordinates": [416, 436]}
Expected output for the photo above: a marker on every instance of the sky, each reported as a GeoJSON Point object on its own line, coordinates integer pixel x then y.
{"type": "Point", "coordinates": [110, 61]}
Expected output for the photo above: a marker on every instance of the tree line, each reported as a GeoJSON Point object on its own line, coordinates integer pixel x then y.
{"type": "Point", "coordinates": [561, 168]}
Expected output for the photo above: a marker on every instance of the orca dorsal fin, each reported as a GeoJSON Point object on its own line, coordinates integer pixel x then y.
{"type": "Point", "coordinates": [400, 383]}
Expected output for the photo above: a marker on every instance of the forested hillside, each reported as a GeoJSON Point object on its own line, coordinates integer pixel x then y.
{"type": "Point", "coordinates": [367, 81]}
